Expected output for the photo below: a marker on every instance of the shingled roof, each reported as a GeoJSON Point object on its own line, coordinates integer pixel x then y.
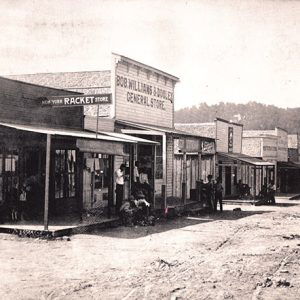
{"type": "Point", "coordinates": [73, 81]}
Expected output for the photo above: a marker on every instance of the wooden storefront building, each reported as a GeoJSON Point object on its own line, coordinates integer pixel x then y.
{"type": "Point", "coordinates": [279, 148]}
{"type": "Point", "coordinates": [142, 108]}
{"type": "Point", "coordinates": [39, 142]}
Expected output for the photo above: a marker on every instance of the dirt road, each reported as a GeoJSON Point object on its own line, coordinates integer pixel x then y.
{"type": "Point", "coordinates": [248, 254]}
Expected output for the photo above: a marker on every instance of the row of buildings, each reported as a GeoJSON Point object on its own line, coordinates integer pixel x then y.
{"type": "Point", "coordinates": [255, 157]}
{"type": "Point", "coordinates": [71, 151]}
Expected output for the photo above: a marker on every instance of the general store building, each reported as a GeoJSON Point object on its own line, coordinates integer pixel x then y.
{"type": "Point", "coordinates": [142, 107]}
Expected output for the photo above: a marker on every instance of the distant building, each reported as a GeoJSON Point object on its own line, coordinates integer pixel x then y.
{"type": "Point", "coordinates": [293, 147]}
{"type": "Point", "coordinates": [272, 146]}
{"type": "Point", "coordinates": [231, 165]}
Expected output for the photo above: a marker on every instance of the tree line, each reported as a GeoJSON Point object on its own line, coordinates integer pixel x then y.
{"type": "Point", "coordinates": [252, 115]}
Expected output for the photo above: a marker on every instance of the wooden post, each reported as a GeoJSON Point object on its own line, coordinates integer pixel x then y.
{"type": "Point", "coordinates": [164, 197]}
{"type": "Point", "coordinates": [198, 187]}
{"type": "Point", "coordinates": [200, 160]}
{"type": "Point", "coordinates": [254, 183]}
{"type": "Point", "coordinates": [198, 182]}
{"type": "Point", "coordinates": [111, 193]}
{"type": "Point", "coordinates": [47, 177]}
{"type": "Point", "coordinates": [184, 178]}
{"type": "Point", "coordinates": [154, 172]}
{"type": "Point", "coordinates": [261, 177]}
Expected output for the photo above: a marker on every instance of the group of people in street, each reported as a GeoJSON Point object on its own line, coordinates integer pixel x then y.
{"type": "Point", "coordinates": [20, 202]}
{"type": "Point", "coordinates": [212, 193]}
{"type": "Point", "coordinates": [267, 194]}
{"type": "Point", "coordinates": [134, 210]}
{"type": "Point", "coordinates": [141, 194]}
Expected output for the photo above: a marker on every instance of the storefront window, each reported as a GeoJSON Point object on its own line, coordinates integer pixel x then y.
{"type": "Point", "coordinates": [9, 170]}
{"type": "Point", "coordinates": [101, 171]}
{"type": "Point", "coordinates": [65, 166]}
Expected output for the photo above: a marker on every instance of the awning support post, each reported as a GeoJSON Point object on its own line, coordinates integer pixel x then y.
{"type": "Point", "coordinates": [254, 188]}
{"type": "Point", "coordinates": [184, 175]}
{"type": "Point", "coordinates": [154, 175]}
{"type": "Point", "coordinates": [47, 177]}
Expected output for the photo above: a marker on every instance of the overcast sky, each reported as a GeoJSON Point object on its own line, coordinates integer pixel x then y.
{"type": "Point", "coordinates": [231, 51]}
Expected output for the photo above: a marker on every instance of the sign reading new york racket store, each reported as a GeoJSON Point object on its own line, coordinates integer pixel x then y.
{"type": "Point", "coordinates": [77, 100]}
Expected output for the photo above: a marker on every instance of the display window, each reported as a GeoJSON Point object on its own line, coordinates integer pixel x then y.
{"type": "Point", "coordinates": [9, 173]}
{"type": "Point", "coordinates": [65, 173]}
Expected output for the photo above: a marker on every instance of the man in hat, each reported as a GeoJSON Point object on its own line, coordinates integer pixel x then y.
{"type": "Point", "coordinates": [210, 192]}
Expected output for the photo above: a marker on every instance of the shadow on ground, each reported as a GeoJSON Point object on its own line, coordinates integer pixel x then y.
{"type": "Point", "coordinates": [164, 225]}
{"type": "Point", "coordinates": [280, 204]}
{"type": "Point", "coordinates": [285, 204]}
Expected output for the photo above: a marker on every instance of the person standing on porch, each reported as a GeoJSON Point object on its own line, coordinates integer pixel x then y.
{"type": "Point", "coordinates": [136, 179]}
{"type": "Point", "coordinates": [120, 173]}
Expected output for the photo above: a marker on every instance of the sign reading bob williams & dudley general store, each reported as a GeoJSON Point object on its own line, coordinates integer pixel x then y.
{"type": "Point", "coordinates": [77, 100]}
{"type": "Point", "coordinates": [143, 94]}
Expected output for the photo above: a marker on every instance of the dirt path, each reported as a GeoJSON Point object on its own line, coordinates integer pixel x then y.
{"type": "Point", "coordinates": [251, 254]}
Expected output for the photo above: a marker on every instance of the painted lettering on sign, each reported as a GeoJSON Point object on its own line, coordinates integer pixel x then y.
{"type": "Point", "coordinates": [76, 100]}
{"type": "Point", "coordinates": [144, 88]}
{"type": "Point", "coordinates": [145, 100]}
{"type": "Point", "coordinates": [144, 94]}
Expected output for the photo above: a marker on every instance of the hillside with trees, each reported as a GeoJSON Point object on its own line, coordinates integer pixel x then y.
{"type": "Point", "coordinates": [252, 115]}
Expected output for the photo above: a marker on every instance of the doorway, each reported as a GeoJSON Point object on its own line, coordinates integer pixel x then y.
{"type": "Point", "coordinates": [33, 180]}
{"type": "Point", "coordinates": [97, 181]}
{"type": "Point", "coordinates": [227, 180]}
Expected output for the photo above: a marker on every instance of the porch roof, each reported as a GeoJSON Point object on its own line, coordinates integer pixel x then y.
{"type": "Point", "coordinates": [247, 159]}
{"type": "Point", "coordinates": [124, 136]}
{"type": "Point", "coordinates": [68, 132]}
{"type": "Point", "coordinates": [162, 129]}
{"type": "Point", "coordinates": [288, 165]}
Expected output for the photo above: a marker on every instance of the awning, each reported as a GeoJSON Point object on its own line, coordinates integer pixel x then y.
{"type": "Point", "coordinates": [247, 159]}
{"type": "Point", "coordinates": [159, 129]}
{"type": "Point", "coordinates": [128, 137]}
{"type": "Point", "coordinates": [288, 165]}
{"type": "Point", "coordinates": [66, 132]}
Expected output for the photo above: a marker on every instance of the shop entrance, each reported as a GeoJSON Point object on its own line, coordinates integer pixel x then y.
{"type": "Point", "coordinates": [32, 180]}
{"type": "Point", "coordinates": [97, 181]}
{"type": "Point", "coordinates": [146, 168]}
{"type": "Point", "coordinates": [227, 180]}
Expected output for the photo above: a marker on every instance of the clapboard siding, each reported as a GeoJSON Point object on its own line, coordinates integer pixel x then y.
{"type": "Point", "coordinates": [126, 110]}
{"type": "Point", "coordinates": [169, 168]}
{"type": "Point", "coordinates": [91, 82]}
{"type": "Point", "coordinates": [222, 136]}
{"type": "Point", "coordinates": [104, 124]}
{"type": "Point", "coordinates": [20, 104]}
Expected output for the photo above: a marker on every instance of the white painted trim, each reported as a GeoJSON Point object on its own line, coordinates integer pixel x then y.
{"type": "Point", "coordinates": [114, 62]}
{"type": "Point", "coordinates": [145, 132]}
{"type": "Point", "coordinates": [164, 152]}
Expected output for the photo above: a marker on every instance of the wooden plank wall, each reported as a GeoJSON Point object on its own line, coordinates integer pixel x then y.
{"type": "Point", "coordinates": [129, 111]}
{"type": "Point", "coordinates": [192, 172]}
{"type": "Point", "coordinates": [19, 104]}
{"type": "Point", "coordinates": [169, 167]}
